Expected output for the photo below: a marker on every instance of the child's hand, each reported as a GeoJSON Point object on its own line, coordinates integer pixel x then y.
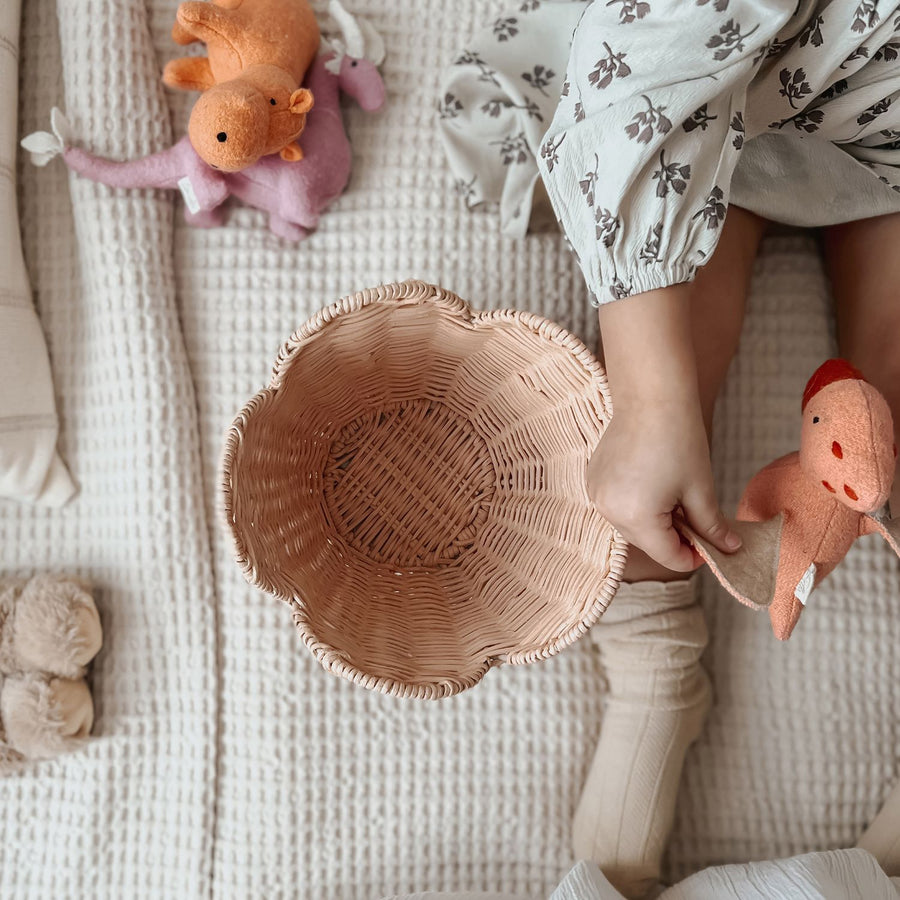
{"type": "Point", "coordinates": [650, 462]}
{"type": "Point", "coordinates": [654, 457]}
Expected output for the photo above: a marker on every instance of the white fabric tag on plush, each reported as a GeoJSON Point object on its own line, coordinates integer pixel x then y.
{"type": "Point", "coordinates": [804, 589]}
{"type": "Point", "coordinates": [190, 198]}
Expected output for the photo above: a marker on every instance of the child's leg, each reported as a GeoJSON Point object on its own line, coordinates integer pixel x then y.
{"type": "Point", "coordinates": [650, 641]}
{"type": "Point", "coordinates": [653, 635]}
{"type": "Point", "coordinates": [863, 260]}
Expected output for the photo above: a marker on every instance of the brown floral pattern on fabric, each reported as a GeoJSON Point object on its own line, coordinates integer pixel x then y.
{"type": "Point", "coordinates": [651, 106]}
{"type": "Point", "coordinates": [655, 124]}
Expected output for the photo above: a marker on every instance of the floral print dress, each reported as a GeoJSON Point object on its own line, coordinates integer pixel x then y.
{"type": "Point", "coordinates": [497, 99]}
{"type": "Point", "coordinates": [672, 109]}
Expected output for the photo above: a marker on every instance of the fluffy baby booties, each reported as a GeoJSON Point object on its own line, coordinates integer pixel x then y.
{"type": "Point", "coordinates": [49, 631]}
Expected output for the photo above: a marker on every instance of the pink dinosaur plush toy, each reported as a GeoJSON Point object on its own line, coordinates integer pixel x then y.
{"type": "Point", "coordinates": [800, 515]}
{"type": "Point", "coordinates": [293, 193]}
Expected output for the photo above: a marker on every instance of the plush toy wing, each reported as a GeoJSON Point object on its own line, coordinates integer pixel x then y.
{"type": "Point", "coordinates": [889, 530]}
{"type": "Point", "coordinates": [749, 575]}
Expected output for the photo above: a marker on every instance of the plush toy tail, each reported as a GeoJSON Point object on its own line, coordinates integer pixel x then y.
{"type": "Point", "coordinates": [47, 145]}
{"type": "Point", "coordinates": [889, 530]}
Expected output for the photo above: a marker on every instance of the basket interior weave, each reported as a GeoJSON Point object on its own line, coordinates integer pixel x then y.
{"type": "Point", "coordinates": [413, 483]}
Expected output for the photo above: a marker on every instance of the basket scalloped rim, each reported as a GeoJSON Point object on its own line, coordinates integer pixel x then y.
{"type": "Point", "coordinates": [412, 292]}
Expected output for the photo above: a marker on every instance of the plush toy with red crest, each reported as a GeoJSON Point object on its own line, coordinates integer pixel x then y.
{"type": "Point", "coordinates": [800, 515]}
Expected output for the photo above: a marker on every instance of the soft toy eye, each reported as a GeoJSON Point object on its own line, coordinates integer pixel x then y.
{"type": "Point", "coordinates": [272, 101]}
{"type": "Point", "coordinates": [355, 63]}
{"type": "Point", "coordinates": [815, 420]}
{"type": "Point", "coordinates": [221, 137]}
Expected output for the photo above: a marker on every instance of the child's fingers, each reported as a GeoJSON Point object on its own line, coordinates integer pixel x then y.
{"type": "Point", "coordinates": [662, 543]}
{"type": "Point", "coordinates": [706, 518]}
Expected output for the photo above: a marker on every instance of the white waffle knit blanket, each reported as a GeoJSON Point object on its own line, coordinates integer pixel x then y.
{"type": "Point", "coordinates": [226, 763]}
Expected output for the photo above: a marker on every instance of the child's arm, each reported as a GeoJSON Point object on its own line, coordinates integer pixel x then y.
{"type": "Point", "coordinates": [654, 456]}
{"type": "Point", "coordinates": [638, 164]}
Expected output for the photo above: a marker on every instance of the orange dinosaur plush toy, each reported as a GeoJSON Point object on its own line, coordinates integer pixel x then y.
{"type": "Point", "coordinates": [257, 54]}
{"type": "Point", "coordinates": [800, 515]}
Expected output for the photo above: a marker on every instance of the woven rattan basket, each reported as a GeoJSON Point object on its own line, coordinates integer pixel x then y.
{"type": "Point", "coordinates": [411, 482]}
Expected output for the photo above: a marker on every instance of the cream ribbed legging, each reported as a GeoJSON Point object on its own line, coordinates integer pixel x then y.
{"type": "Point", "coordinates": [650, 639]}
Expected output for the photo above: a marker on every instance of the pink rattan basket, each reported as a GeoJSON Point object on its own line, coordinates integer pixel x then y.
{"type": "Point", "coordinates": [411, 482]}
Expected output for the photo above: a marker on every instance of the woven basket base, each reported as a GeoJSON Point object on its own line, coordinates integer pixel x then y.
{"type": "Point", "coordinates": [382, 502]}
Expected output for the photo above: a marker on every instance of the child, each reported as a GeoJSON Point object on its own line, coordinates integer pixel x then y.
{"type": "Point", "coordinates": [683, 127]}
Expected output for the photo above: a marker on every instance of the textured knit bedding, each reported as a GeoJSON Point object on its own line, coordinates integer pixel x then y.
{"type": "Point", "coordinates": [226, 763]}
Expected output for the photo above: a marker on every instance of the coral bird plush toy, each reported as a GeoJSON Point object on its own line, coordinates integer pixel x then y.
{"type": "Point", "coordinates": [800, 515]}
{"type": "Point", "coordinates": [252, 104]}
